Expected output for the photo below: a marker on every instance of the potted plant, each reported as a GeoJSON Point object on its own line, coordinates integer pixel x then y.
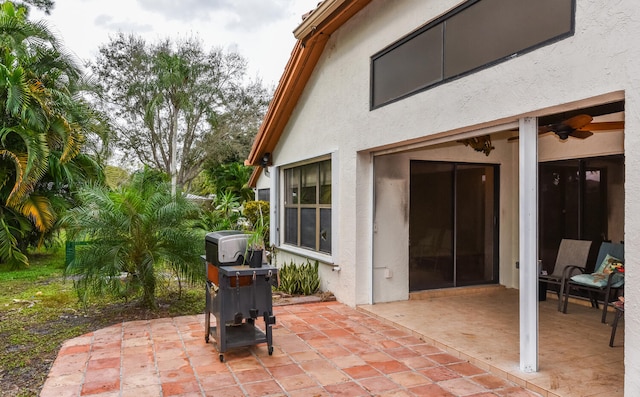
{"type": "Point", "coordinates": [256, 241]}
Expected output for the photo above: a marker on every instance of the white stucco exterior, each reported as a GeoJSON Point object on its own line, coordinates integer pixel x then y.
{"type": "Point", "coordinates": [599, 63]}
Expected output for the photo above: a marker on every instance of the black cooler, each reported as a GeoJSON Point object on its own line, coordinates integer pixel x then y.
{"type": "Point", "coordinates": [236, 294]}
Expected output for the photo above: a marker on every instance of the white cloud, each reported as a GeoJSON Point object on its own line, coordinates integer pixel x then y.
{"type": "Point", "coordinates": [245, 14]}
{"type": "Point", "coordinates": [260, 30]}
{"type": "Point", "coordinates": [110, 23]}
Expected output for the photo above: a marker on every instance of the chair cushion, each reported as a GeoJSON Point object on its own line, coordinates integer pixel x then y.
{"type": "Point", "coordinates": [600, 277]}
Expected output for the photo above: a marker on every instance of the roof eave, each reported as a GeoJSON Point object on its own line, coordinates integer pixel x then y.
{"type": "Point", "coordinates": [316, 18]}
{"type": "Point", "coordinates": [312, 36]}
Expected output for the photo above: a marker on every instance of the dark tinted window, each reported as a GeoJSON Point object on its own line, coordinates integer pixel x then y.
{"type": "Point", "coordinates": [416, 63]}
{"type": "Point", "coordinates": [263, 194]}
{"type": "Point", "coordinates": [476, 34]}
{"type": "Point", "coordinates": [494, 29]}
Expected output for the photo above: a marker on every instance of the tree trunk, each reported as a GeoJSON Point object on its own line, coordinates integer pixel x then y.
{"type": "Point", "coordinates": [148, 280]}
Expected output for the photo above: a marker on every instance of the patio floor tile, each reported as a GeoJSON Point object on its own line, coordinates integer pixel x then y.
{"type": "Point", "coordinates": [320, 349]}
{"type": "Point", "coordinates": [143, 391]}
{"type": "Point", "coordinates": [180, 387]}
{"type": "Point", "coordinates": [490, 381]}
{"type": "Point", "coordinates": [389, 367]}
{"type": "Point", "coordinates": [378, 384]}
{"type": "Point", "coordinates": [439, 374]}
{"type": "Point", "coordinates": [216, 381]}
{"type": "Point", "coordinates": [296, 382]}
{"type": "Point", "coordinates": [253, 375]}
{"type": "Point", "coordinates": [432, 390]}
{"type": "Point", "coordinates": [362, 371]}
{"type": "Point", "coordinates": [349, 389]}
{"type": "Point", "coordinates": [263, 388]}
{"type": "Point", "coordinates": [462, 387]}
{"type": "Point", "coordinates": [100, 386]}
{"type": "Point", "coordinates": [410, 379]}
{"type": "Point", "coordinates": [282, 371]}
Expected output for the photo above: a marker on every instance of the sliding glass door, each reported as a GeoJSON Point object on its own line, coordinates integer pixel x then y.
{"type": "Point", "coordinates": [452, 225]}
{"type": "Point", "coordinates": [580, 199]}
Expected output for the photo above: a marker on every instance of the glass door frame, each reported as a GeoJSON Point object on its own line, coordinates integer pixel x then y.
{"type": "Point", "coordinates": [495, 230]}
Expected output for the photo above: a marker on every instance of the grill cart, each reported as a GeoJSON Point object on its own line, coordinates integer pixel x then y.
{"type": "Point", "coordinates": [236, 294]}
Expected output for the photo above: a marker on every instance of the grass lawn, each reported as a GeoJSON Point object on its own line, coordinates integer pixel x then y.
{"type": "Point", "coordinates": [39, 310]}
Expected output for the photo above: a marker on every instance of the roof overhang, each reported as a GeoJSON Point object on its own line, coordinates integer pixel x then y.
{"type": "Point", "coordinates": [312, 36]}
{"type": "Point", "coordinates": [316, 18]}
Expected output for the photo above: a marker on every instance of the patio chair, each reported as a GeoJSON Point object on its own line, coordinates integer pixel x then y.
{"type": "Point", "coordinates": [570, 253]}
{"type": "Point", "coordinates": [608, 277]}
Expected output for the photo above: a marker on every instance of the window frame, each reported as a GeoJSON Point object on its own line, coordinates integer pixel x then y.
{"type": "Point", "coordinates": [318, 205]}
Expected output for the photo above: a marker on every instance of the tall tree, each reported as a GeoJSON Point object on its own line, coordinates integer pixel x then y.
{"type": "Point", "coordinates": [43, 123]}
{"type": "Point", "coordinates": [44, 5]}
{"type": "Point", "coordinates": [170, 98]}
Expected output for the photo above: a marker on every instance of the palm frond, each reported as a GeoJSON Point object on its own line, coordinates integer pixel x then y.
{"type": "Point", "coordinates": [9, 251]}
{"type": "Point", "coordinates": [18, 96]}
{"type": "Point", "coordinates": [65, 137]}
{"type": "Point", "coordinates": [38, 209]}
{"type": "Point", "coordinates": [35, 148]}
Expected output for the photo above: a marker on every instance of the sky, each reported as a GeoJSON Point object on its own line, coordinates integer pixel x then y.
{"type": "Point", "coordinates": [260, 30]}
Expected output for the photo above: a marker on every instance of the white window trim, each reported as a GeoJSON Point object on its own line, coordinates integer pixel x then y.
{"type": "Point", "coordinates": [277, 193]}
{"type": "Point", "coordinates": [315, 255]}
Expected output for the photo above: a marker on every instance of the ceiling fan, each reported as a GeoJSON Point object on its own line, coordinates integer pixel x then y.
{"type": "Point", "coordinates": [580, 126]}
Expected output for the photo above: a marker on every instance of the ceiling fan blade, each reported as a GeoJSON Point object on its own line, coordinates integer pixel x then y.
{"type": "Point", "coordinates": [578, 122]}
{"type": "Point", "coordinates": [580, 125]}
{"type": "Point", "coordinates": [581, 134]}
{"type": "Point", "coordinates": [543, 129]}
{"type": "Point", "coordinates": [604, 126]}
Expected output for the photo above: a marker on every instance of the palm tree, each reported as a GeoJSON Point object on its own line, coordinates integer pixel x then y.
{"type": "Point", "coordinates": [43, 122]}
{"type": "Point", "coordinates": [130, 233]}
{"type": "Point", "coordinates": [233, 178]}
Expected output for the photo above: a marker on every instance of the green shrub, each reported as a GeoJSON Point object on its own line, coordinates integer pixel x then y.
{"type": "Point", "coordinates": [288, 274]}
{"type": "Point", "coordinates": [299, 280]}
{"type": "Point", "coordinates": [309, 279]}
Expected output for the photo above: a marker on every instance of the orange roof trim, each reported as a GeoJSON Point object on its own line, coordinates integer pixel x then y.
{"type": "Point", "coordinates": [312, 35]}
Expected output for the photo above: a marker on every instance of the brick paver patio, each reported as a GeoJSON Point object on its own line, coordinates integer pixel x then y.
{"type": "Point", "coordinates": [320, 349]}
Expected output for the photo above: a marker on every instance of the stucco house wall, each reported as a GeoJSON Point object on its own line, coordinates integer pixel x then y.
{"type": "Point", "coordinates": [598, 64]}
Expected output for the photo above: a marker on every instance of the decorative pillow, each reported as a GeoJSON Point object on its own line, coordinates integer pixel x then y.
{"type": "Point", "coordinates": [601, 276]}
{"type": "Point", "coordinates": [609, 263]}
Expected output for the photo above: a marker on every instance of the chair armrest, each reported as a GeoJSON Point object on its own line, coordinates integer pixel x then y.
{"type": "Point", "coordinates": [571, 269]}
{"type": "Point", "coordinates": [610, 278]}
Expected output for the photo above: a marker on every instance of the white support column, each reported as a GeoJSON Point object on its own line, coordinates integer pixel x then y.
{"type": "Point", "coordinates": [528, 244]}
